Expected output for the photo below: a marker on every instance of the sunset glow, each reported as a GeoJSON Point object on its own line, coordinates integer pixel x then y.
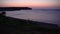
{"type": "Point", "coordinates": [29, 3]}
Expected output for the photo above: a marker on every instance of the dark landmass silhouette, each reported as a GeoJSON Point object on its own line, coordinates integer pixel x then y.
{"type": "Point", "coordinates": [14, 8]}
{"type": "Point", "coordinates": [11, 25]}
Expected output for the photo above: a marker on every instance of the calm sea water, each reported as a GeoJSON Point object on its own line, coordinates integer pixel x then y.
{"type": "Point", "coordinates": [36, 15]}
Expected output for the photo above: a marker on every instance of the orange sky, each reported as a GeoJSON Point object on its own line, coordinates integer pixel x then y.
{"type": "Point", "coordinates": [36, 3]}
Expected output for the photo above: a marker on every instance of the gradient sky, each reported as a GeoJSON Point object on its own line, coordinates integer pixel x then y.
{"type": "Point", "coordinates": [29, 3]}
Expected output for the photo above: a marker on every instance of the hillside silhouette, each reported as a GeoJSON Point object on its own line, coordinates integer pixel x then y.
{"type": "Point", "coordinates": [14, 8]}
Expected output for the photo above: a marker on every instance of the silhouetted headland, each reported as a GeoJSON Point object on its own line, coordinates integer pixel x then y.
{"type": "Point", "coordinates": [14, 8]}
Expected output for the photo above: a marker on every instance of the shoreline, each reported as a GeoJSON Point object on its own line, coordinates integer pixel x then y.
{"type": "Point", "coordinates": [10, 24]}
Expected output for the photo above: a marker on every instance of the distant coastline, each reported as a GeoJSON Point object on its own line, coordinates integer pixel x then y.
{"type": "Point", "coordinates": [14, 8]}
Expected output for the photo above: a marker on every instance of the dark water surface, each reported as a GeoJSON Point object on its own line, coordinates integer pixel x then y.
{"type": "Point", "coordinates": [36, 15]}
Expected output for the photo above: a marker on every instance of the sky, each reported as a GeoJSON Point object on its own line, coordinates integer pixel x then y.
{"type": "Point", "coordinates": [29, 3]}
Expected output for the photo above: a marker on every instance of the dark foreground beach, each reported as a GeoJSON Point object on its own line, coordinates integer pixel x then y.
{"type": "Point", "coordinates": [9, 25]}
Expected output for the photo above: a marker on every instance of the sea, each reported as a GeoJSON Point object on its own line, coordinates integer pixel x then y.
{"type": "Point", "coordinates": [47, 16]}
